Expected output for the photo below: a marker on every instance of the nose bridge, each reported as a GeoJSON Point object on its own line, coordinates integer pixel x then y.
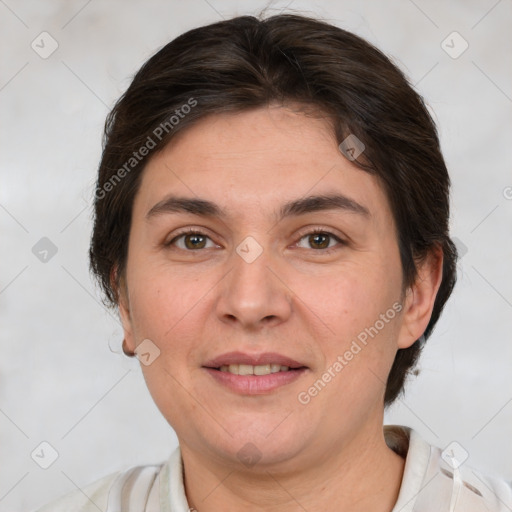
{"type": "Point", "coordinates": [251, 293]}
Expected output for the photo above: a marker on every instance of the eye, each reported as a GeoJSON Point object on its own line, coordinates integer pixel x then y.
{"type": "Point", "coordinates": [191, 240]}
{"type": "Point", "coordinates": [320, 240]}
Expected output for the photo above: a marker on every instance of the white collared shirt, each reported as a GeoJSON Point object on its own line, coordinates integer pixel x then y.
{"type": "Point", "coordinates": [432, 482]}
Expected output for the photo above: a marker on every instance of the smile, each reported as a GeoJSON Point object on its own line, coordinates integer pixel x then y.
{"type": "Point", "coordinates": [249, 369]}
{"type": "Point", "coordinates": [254, 374]}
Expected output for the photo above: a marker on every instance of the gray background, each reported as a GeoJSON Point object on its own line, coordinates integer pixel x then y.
{"type": "Point", "coordinates": [62, 377]}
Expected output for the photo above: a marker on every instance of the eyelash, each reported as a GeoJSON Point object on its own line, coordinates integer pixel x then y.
{"type": "Point", "coordinates": [318, 230]}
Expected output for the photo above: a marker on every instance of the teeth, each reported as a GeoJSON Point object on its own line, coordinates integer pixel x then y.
{"type": "Point", "coordinates": [244, 369]}
{"type": "Point", "coordinates": [248, 369]}
{"type": "Point", "coordinates": [263, 369]}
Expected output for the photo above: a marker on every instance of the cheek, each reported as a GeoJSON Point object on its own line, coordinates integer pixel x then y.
{"type": "Point", "coordinates": [359, 305]}
{"type": "Point", "coordinates": [163, 302]}
{"type": "Point", "coordinates": [350, 298]}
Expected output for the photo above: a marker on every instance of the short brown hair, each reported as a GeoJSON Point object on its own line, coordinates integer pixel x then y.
{"type": "Point", "coordinates": [245, 63]}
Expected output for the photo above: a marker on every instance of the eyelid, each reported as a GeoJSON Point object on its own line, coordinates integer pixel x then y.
{"type": "Point", "coordinates": [319, 229]}
{"type": "Point", "coordinates": [322, 230]}
{"type": "Point", "coordinates": [189, 231]}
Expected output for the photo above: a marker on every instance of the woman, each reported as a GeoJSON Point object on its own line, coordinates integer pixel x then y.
{"type": "Point", "coordinates": [271, 221]}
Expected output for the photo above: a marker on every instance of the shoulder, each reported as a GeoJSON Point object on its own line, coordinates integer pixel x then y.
{"type": "Point", "coordinates": [470, 490]}
{"type": "Point", "coordinates": [436, 479]}
{"type": "Point", "coordinates": [135, 482]}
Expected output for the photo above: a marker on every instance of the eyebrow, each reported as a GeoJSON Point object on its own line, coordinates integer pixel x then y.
{"type": "Point", "coordinates": [204, 208]}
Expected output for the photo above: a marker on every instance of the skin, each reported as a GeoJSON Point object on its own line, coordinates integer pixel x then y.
{"type": "Point", "coordinates": [296, 298]}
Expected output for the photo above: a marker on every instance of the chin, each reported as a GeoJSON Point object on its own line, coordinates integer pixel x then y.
{"type": "Point", "coordinates": [258, 444]}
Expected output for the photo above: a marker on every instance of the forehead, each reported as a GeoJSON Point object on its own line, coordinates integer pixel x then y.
{"type": "Point", "coordinates": [257, 159]}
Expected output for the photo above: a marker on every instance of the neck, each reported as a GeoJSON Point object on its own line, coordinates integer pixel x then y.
{"type": "Point", "coordinates": [363, 475]}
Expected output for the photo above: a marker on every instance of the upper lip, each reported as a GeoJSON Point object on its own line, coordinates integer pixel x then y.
{"type": "Point", "coordinates": [252, 359]}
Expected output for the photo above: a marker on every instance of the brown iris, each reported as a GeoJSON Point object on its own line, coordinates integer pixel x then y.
{"type": "Point", "coordinates": [195, 241]}
{"type": "Point", "coordinates": [319, 240]}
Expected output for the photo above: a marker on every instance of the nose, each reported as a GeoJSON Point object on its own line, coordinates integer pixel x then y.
{"type": "Point", "coordinates": [253, 295]}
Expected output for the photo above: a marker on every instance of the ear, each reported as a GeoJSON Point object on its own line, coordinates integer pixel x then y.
{"type": "Point", "coordinates": [124, 311]}
{"type": "Point", "coordinates": [420, 298]}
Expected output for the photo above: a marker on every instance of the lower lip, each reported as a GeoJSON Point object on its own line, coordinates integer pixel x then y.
{"type": "Point", "coordinates": [255, 384]}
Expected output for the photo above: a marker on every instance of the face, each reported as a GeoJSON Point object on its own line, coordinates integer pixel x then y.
{"type": "Point", "coordinates": [257, 248]}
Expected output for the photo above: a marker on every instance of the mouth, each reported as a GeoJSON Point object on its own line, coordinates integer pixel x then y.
{"type": "Point", "coordinates": [261, 369]}
{"type": "Point", "coordinates": [254, 374]}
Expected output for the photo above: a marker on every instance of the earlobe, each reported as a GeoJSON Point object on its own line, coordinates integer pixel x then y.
{"type": "Point", "coordinates": [420, 298]}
